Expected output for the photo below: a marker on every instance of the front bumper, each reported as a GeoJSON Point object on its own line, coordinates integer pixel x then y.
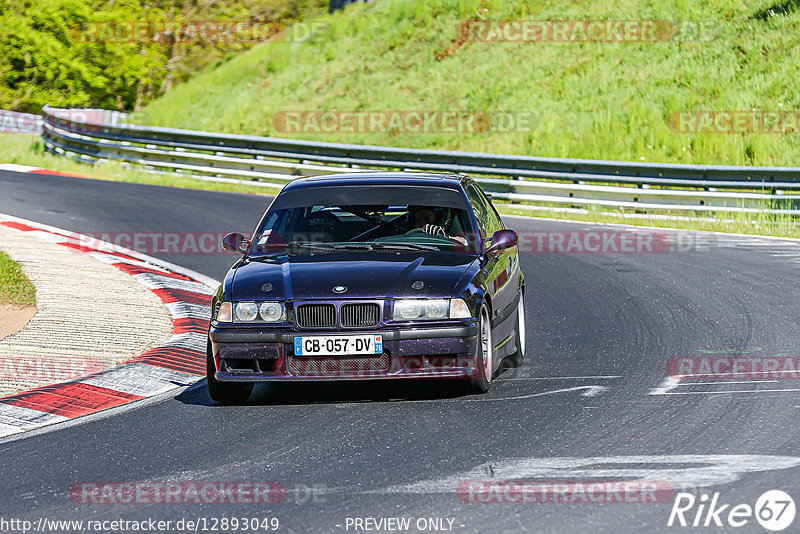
{"type": "Point", "coordinates": [247, 355]}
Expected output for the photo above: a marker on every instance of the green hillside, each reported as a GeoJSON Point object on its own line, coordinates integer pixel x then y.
{"type": "Point", "coordinates": [609, 100]}
{"type": "Point", "coordinates": [81, 53]}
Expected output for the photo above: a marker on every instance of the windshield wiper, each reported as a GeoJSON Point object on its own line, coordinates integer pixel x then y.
{"type": "Point", "coordinates": [404, 246]}
{"type": "Point", "coordinates": [362, 246]}
{"type": "Point", "coordinates": [330, 246]}
{"type": "Point", "coordinates": [353, 246]}
{"type": "Point", "coordinates": [313, 246]}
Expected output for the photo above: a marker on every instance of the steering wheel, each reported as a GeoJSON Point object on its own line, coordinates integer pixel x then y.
{"type": "Point", "coordinates": [381, 224]}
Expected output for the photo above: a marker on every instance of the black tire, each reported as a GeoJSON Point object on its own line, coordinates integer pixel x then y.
{"type": "Point", "coordinates": [518, 357]}
{"type": "Point", "coordinates": [225, 392]}
{"type": "Point", "coordinates": [481, 380]}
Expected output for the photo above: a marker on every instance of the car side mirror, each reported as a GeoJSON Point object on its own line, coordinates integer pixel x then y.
{"type": "Point", "coordinates": [235, 242]}
{"type": "Point", "coordinates": [502, 240]}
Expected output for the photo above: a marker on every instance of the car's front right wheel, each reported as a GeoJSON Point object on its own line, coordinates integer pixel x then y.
{"type": "Point", "coordinates": [224, 392]}
{"type": "Point", "coordinates": [518, 357]}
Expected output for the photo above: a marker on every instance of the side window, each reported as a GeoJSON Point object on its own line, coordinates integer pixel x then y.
{"type": "Point", "coordinates": [267, 228]}
{"type": "Point", "coordinates": [479, 207]}
{"type": "Point", "coordinates": [487, 216]}
{"type": "Point", "coordinates": [495, 223]}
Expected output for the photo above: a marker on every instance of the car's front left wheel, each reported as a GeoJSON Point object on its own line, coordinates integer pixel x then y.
{"type": "Point", "coordinates": [484, 358]}
{"type": "Point", "coordinates": [224, 392]}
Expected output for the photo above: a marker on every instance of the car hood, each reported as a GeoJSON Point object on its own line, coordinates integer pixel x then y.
{"type": "Point", "coordinates": [364, 274]}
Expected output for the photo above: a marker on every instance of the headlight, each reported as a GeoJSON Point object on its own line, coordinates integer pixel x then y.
{"type": "Point", "coordinates": [409, 309]}
{"type": "Point", "coordinates": [272, 312]}
{"type": "Point", "coordinates": [246, 312]}
{"type": "Point", "coordinates": [251, 312]}
{"type": "Point", "coordinates": [430, 309]}
{"type": "Point", "coordinates": [437, 309]}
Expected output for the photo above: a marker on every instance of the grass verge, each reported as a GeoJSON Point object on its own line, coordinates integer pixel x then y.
{"type": "Point", "coordinates": [587, 99]}
{"type": "Point", "coordinates": [15, 288]}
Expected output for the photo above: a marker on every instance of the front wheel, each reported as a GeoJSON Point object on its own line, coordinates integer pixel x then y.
{"type": "Point", "coordinates": [484, 359]}
{"type": "Point", "coordinates": [224, 392]}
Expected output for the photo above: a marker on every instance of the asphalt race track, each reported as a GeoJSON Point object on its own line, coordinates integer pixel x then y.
{"type": "Point", "coordinates": [602, 329]}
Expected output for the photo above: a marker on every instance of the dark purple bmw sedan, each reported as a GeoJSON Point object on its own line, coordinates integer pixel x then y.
{"type": "Point", "coordinates": [369, 276]}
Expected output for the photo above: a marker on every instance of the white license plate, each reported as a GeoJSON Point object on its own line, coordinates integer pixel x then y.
{"type": "Point", "coordinates": [338, 345]}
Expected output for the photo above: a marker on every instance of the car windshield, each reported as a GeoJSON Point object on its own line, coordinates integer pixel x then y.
{"type": "Point", "coordinates": [411, 219]}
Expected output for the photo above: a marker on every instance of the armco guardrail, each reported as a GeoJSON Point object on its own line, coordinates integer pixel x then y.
{"type": "Point", "coordinates": [524, 180]}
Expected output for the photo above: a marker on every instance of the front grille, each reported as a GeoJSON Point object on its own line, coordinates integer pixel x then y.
{"type": "Point", "coordinates": [356, 315]}
{"type": "Point", "coordinates": [316, 315]}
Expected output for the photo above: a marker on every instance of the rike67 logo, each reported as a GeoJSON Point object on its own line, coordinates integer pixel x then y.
{"type": "Point", "coordinates": [774, 510]}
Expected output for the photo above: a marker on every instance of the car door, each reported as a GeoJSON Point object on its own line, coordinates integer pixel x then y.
{"type": "Point", "coordinates": [508, 287]}
{"type": "Point", "coordinates": [498, 270]}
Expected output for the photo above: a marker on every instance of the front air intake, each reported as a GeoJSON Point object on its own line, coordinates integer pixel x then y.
{"type": "Point", "coordinates": [316, 315]}
{"type": "Point", "coordinates": [358, 315]}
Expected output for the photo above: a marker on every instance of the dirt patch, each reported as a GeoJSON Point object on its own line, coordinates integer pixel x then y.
{"type": "Point", "coordinates": [14, 318]}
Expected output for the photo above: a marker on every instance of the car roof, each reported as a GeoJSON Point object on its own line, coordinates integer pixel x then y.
{"type": "Point", "coordinates": [430, 179]}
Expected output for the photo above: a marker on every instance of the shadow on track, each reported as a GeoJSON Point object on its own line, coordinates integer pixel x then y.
{"type": "Point", "coordinates": [354, 391]}
{"type": "Point", "coordinates": [299, 393]}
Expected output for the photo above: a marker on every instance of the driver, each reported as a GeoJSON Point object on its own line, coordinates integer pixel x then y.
{"type": "Point", "coordinates": [427, 219]}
